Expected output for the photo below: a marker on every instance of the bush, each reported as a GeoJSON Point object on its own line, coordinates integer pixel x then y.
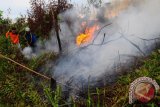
{"type": "Point", "coordinates": [4, 23]}
{"type": "Point", "coordinates": [16, 87]}
{"type": "Point", "coordinates": [5, 45]}
{"type": "Point", "coordinates": [41, 18]}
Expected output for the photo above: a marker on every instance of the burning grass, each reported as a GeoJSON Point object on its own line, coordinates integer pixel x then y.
{"type": "Point", "coordinates": [20, 89]}
{"type": "Point", "coordinates": [116, 95]}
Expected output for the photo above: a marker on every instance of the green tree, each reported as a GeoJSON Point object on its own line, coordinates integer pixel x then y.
{"type": "Point", "coordinates": [4, 23]}
{"type": "Point", "coordinates": [1, 12]}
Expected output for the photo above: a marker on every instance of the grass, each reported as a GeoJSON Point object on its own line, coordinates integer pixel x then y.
{"type": "Point", "coordinates": [21, 89]}
{"type": "Point", "coordinates": [116, 95]}
{"type": "Point", "coordinates": [17, 87]}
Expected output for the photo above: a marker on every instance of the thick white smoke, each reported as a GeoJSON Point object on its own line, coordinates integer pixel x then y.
{"type": "Point", "coordinates": [28, 53]}
{"type": "Point", "coordinates": [123, 36]}
{"type": "Point", "coordinates": [41, 48]}
{"type": "Point", "coordinates": [140, 20]}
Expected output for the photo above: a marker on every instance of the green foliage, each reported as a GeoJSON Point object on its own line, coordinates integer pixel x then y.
{"type": "Point", "coordinates": [116, 95]}
{"type": "Point", "coordinates": [151, 69]}
{"type": "Point", "coordinates": [98, 95]}
{"type": "Point", "coordinates": [54, 97]}
{"type": "Point", "coordinates": [4, 23]}
{"type": "Point", "coordinates": [16, 86]}
{"type": "Point", "coordinates": [1, 20]}
{"type": "Point", "coordinates": [20, 23]}
{"type": "Point", "coordinates": [5, 45]}
{"type": "Point", "coordinates": [125, 80]}
{"type": "Point", "coordinates": [1, 12]}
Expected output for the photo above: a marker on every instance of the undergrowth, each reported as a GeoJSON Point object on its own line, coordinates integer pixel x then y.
{"type": "Point", "coordinates": [19, 88]}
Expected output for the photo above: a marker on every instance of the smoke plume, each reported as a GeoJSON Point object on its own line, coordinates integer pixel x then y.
{"type": "Point", "coordinates": [127, 27]}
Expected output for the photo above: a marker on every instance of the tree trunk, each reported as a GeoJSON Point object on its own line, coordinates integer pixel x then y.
{"type": "Point", "coordinates": [57, 32]}
{"type": "Point", "coordinates": [57, 27]}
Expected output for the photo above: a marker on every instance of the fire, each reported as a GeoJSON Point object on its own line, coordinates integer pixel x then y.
{"type": "Point", "coordinates": [111, 11]}
{"type": "Point", "coordinates": [87, 36]}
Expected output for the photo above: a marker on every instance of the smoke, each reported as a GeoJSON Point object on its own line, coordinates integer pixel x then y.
{"type": "Point", "coordinates": [28, 53]}
{"type": "Point", "coordinates": [41, 47]}
{"type": "Point", "coordinates": [129, 33]}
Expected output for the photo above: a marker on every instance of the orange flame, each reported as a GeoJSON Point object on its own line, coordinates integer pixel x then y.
{"type": "Point", "coordinates": [114, 9]}
{"type": "Point", "coordinates": [87, 36]}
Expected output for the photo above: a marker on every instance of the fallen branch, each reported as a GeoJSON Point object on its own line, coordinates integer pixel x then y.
{"type": "Point", "coordinates": [135, 45]}
{"type": "Point", "coordinates": [100, 31]}
{"type": "Point", "coordinates": [39, 74]}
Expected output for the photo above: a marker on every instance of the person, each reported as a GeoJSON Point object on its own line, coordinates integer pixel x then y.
{"type": "Point", "coordinates": [30, 37]}
{"type": "Point", "coordinates": [13, 35]}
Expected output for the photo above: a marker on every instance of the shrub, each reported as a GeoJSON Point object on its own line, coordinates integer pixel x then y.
{"type": "Point", "coordinates": [4, 23]}
{"type": "Point", "coordinates": [41, 18]}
